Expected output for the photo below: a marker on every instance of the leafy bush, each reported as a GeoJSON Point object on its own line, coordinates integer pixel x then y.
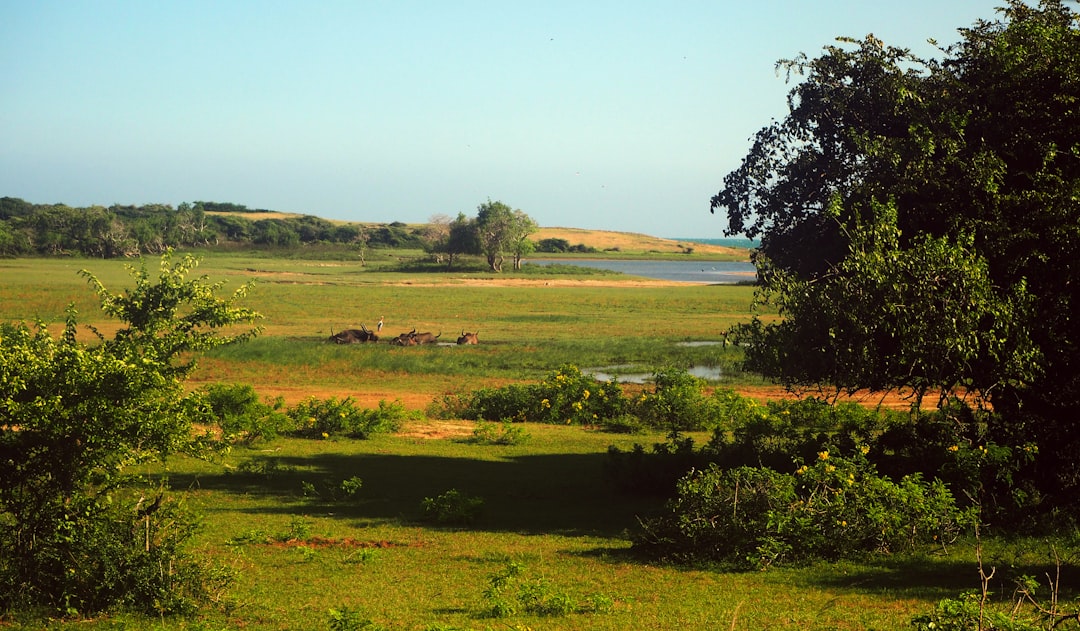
{"type": "Point", "coordinates": [780, 432]}
{"type": "Point", "coordinates": [623, 424]}
{"type": "Point", "coordinates": [73, 417]}
{"type": "Point", "coordinates": [126, 553]}
{"type": "Point", "coordinates": [833, 508]}
{"type": "Point", "coordinates": [242, 417]}
{"type": "Point", "coordinates": [677, 403]}
{"type": "Point", "coordinates": [315, 418]}
{"type": "Point", "coordinates": [967, 613]}
{"type": "Point", "coordinates": [505, 433]}
{"type": "Point", "coordinates": [565, 396]}
{"type": "Point", "coordinates": [452, 507]}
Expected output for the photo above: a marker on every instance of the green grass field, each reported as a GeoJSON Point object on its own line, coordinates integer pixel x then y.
{"type": "Point", "coordinates": [299, 550]}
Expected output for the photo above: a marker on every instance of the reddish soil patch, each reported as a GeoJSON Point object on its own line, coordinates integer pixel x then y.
{"type": "Point", "coordinates": [347, 542]}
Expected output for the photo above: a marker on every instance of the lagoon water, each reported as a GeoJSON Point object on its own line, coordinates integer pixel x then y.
{"type": "Point", "coordinates": [705, 272]}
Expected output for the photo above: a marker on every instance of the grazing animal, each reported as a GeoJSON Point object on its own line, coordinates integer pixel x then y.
{"type": "Point", "coordinates": [469, 338]}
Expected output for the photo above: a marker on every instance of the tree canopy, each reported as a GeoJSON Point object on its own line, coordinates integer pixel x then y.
{"type": "Point", "coordinates": [976, 156]}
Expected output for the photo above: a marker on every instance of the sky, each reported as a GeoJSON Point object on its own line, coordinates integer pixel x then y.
{"type": "Point", "coordinates": [613, 115]}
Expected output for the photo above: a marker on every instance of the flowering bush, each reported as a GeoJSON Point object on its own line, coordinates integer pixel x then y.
{"type": "Point", "coordinates": [565, 396]}
{"type": "Point", "coordinates": [315, 418]}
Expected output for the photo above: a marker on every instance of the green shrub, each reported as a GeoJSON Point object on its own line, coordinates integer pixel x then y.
{"type": "Point", "coordinates": [677, 403]}
{"type": "Point", "coordinates": [126, 553]}
{"type": "Point", "coordinates": [452, 507]}
{"type": "Point", "coordinates": [565, 396]}
{"type": "Point", "coordinates": [780, 432]}
{"type": "Point", "coordinates": [968, 614]}
{"type": "Point", "coordinates": [315, 418]}
{"type": "Point", "coordinates": [505, 433]}
{"type": "Point", "coordinates": [830, 509]}
{"type": "Point", "coordinates": [623, 424]}
{"type": "Point", "coordinates": [74, 416]}
{"type": "Point", "coordinates": [242, 417]}
{"type": "Point", "coordinates": [346, 619]}
{"type": "Point", "coordinates": [511, 591]}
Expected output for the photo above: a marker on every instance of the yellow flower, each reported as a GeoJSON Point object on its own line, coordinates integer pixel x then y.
{"type": "Point", "coordinates": [829, 468]}
{"type": "Point", "coordinates": [545, 404]}
{"type": "Point", "coordinates": [801, 470]}
{"type": "Point", "coordinates": [823, 455]}
{"type": "Point", "coordinates": [843, 523]}
{"type": "Point", "coordinates": [954, 448]}
{"type": "Point", "coordinates": [585, 394]}
{"type": "Point", "coordinates": [325, 435]}
{"type": "Point", "coordinates": [865, 449]}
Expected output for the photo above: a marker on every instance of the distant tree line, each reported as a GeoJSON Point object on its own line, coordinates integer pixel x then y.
{"type": "Point", "coordinates": [28, 229]}
{"type": "Point", "coordinates": [497, 233]}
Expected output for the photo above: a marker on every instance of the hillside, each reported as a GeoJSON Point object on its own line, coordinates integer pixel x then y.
{"type": "Point", "coordinates": [631, 242]}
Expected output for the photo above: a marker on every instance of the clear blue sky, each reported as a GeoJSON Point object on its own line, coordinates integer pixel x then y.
{"type": "Point", "coordinates": [619, 115]}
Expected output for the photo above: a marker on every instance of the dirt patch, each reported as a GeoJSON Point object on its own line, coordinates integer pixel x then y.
{"type": "Point", "coordinates": [435, 430]}
{"type": "Point", "coordinates": [347, 543]}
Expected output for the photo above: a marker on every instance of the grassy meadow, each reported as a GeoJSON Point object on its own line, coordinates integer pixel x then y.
{"type": "Point", "coordinates": [300, 549]}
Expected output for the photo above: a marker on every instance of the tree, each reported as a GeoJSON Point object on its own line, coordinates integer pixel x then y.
{"type": "Point", "coordinates": [503, 230]}
{"type": "Point", "coordinates": [921, 319]}
{"type": "Point", "coordinates": [74, 417]}
{"type": "Point", "coordinates": [979, 154]}
{"type": "Point", "coordinates": [520, 244]}
{"type": "Point", "coordinates": [462, 237]}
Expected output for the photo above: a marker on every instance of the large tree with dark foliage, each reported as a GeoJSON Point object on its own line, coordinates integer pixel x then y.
{"type": "Point", "coordinates": [935, 203]}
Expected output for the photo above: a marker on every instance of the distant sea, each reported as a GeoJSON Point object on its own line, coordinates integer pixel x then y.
{"type": "Point", "coordinates": [731, 242]}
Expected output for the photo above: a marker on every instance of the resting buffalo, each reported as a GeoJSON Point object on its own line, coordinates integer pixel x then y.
{"type": "Point", "coordinates": [405, 339]}
{"type": "Point", "coordinates": [469, 338]}
{"type": "Point", "coordinates": [412, 338]}
{"type": "Point", "coordinates": [426, 338]}
{"type": "Point", "coordinates": [353, 336]}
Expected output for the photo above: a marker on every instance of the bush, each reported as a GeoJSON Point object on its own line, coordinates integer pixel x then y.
{"type": "Point", "coordinates": [122, 554]}
{"type": "Point", "coordinates": [242, 417]}
{"type": "Point", "coordinates": [73, 418]}
{"type": "Point", "coordinates": [315, 418]}
{"type": "Point", "coordinates": [565, 396]}
{"type": "Point", "coordinates": [781, 432]}
{"type": "Point", "coordinates": [831, 509]}
{"type": "Point", "coordinates": [452, 507]}
{"type": "Point", "coordinates": [505, 433]}
{"type": "Point", "coordinates": [677, 403]}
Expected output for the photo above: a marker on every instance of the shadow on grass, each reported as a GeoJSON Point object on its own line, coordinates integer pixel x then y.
{"type": "Point", "coordinates": [565, 494]}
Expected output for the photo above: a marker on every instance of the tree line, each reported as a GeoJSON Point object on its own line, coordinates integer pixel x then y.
{"type": "Point", "coordinates": [497, 232]}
